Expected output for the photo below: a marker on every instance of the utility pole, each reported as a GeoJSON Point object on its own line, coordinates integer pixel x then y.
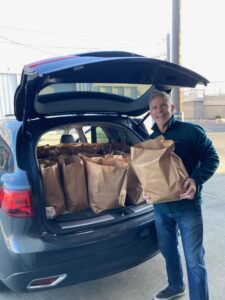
{"type": "Point", "coordinates": [176, 53]}
{"type": "Point", "coordinates": [168, 47]}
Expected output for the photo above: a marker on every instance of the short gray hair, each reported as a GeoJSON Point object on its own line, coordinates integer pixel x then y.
{"type": "Point", "coordinates": [162, 95]}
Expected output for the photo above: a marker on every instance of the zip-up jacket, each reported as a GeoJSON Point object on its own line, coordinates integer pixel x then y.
{"type": "Point", "coordinates": [197, 153]}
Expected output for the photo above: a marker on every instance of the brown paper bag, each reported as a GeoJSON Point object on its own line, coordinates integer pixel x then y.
{"type": "Point", "coordinates": [52, 187]}
{"type": "Point", "coordinates": [107, 183]}
{"type": "Point", "coordinates": [134, 187]}
{"type": "Point", "coordinates": [74, 182]}
{"type": "Point", "coordinates": [160, 171]}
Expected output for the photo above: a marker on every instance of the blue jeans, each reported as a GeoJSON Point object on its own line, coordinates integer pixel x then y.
{"type": "Point", "coordinates": [189, 223]}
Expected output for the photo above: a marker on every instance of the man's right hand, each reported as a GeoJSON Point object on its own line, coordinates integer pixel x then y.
{"type": "Point", "coordinates": [190, 185]}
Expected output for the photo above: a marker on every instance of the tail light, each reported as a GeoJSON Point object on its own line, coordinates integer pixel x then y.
{"type": "Point", "coordinates": [16, 203]}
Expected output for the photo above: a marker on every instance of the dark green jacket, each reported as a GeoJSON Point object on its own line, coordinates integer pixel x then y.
{"type": "Point", "coordinates": [197, 153]}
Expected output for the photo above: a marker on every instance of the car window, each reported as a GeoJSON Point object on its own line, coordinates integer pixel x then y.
{"type": "Point", "coordinates": [85, 134]}
{"type": "Point", "coordinates": [148, 124]}
{"type": "Point", "coordinates": [51, 137]}
{"type": "Point", "coordinates": [132, 91]}
{"type": "Point", "coordinates": [95, 134]}
{"type": "Point", "coordinates": [74, 133]}
{"type": "Point", "coordinates": [6, 158]}
{"type": "Point", "coordinates": [101, 136]}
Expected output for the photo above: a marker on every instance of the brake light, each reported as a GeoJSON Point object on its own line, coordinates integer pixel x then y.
{"type": "Point", "coordinates": [49, 60]}
{"type": "Point", "coordinates": [16, 203]}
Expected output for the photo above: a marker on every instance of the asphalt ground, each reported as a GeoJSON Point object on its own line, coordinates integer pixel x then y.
{"type": "Point", "coordinates": [143, 281]}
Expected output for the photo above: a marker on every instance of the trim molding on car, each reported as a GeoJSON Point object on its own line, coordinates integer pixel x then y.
{"type": "Point", "coordinates": [57, 279]}
{"type": "Point", "coordinates": [85, 222]}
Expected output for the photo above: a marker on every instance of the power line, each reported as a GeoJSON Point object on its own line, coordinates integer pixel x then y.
{"type": "Point", "coordinates": [83, 48]}
{"type": "Point", "coordinates": [71, 48]}
{"type": "Point", "coordinates": [24, 45]}
{"type": "Point", "coordinates": [37, 47]}
{"type": "Point", "coordinates": [8, 41]}
{"type": "Point", "coordinates": [160, 42]}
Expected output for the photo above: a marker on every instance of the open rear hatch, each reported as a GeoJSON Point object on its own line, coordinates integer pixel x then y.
{"type": "Point", "coordinates": [118, 68]}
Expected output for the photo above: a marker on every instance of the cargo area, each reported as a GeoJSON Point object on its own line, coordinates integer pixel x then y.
{"type": "Point", "coordinates": [87, 176]}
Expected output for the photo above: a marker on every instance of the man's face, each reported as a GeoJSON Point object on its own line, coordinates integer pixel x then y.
{"type": "Point", "coordinates": [161, 111]}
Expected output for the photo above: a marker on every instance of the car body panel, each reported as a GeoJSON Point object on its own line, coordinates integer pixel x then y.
{"type": "Point", "coordinates": [29, 254]}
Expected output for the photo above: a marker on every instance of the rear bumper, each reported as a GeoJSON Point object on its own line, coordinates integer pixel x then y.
{"type": "Point", "coordinates": [79, 271]}
{"type": "Point", "coordinates": [127, 246]}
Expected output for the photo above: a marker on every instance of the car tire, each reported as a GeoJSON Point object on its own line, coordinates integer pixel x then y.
{"type": "Point", "coordinates": [3, 287]}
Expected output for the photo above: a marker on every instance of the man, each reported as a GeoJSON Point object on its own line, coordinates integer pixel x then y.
{"type": "Point", "coordinates": [201, 160]}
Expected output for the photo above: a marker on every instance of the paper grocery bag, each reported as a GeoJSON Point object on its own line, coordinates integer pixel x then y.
{"type": "Point", "coordinates": [53, 187]}
{"type": "Point", "coordinates": [74, 182]}
{"type": "Point", "coordinates": [134, 187]}
{"type": "Point", "coordinates": [160, 171]}
{"type": "Point", "coordinates": [107, 183]}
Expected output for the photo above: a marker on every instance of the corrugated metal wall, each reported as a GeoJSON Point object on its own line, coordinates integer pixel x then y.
{"type": "Point", "coordinates": [8, 85]}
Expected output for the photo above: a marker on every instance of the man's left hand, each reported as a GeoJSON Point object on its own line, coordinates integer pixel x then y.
{"type": "Point", "coordinates": [190, 185]}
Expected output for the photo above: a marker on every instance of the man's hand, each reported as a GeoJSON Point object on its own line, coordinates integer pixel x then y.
{"type": "Point", "coordinates": [145, 197]}
{"type": "Point", "coordinates": [190, 185]}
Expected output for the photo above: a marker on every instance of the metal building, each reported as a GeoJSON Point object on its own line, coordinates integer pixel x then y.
{"type": "Point", "coordinates": [8, 85]}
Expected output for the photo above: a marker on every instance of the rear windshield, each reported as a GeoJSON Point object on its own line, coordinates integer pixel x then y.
{"type": "Point", "coordinates": [132, 91]}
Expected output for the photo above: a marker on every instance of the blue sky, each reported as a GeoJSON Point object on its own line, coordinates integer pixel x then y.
{"type": "Point", "coordinates": [33, 30]}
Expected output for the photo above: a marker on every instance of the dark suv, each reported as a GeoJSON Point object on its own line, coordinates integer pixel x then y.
{"type": "Point", "coordinates": [94, 98]}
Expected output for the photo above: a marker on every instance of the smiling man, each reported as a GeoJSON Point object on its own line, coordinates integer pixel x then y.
{"type": "Point", "coordinates": [201, 160]}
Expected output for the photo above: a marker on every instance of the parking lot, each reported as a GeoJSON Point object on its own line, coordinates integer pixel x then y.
{"type": "Point", "coordinates": [142, 282]}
